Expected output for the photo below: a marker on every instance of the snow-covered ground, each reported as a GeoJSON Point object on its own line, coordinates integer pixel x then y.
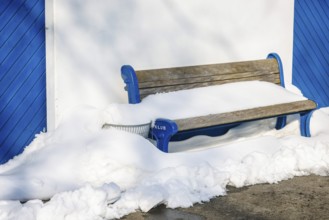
{"type": "Point", "coordinates": [92, 173]}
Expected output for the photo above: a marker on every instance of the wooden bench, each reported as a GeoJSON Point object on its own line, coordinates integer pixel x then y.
{"type": "Point", "coordinates": [142, 83]}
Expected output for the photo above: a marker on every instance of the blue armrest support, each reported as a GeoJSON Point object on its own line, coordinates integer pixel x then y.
{"type": "Point", "coordinates": [128, 75]}
{"type": "Point", "coordinates": [278, 59]}
{"type": "Point", "coordinates": [162, 131]}
{"type": "Point", "coordinates": [282, 120]}
{"type": "Point", "coordinates": [305, 119]}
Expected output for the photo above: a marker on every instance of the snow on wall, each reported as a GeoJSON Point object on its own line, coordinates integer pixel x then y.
{"type": "Point", "coordinates": [92, 39]}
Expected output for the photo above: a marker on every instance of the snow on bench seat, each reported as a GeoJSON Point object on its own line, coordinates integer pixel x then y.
{"type": "Point", "coordinates": [225, 102]}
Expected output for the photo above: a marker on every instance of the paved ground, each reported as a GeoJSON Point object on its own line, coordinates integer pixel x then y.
{"type": "Point", "coordinates": [298, 198]}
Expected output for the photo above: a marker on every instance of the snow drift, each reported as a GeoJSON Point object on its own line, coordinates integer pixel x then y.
{"type": "Point", "coordinates": [90, 173]}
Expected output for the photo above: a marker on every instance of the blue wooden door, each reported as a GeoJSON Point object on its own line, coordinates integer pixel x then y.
{"type": "Point", "coordinates": [22, 74]}
{"type": "Point", "coordinates": [311, 49]}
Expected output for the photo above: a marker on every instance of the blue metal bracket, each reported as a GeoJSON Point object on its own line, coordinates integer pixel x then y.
{"type": "Point", "coordinates": [128, 75]}
{"type": "Point", "coordinates": [282, 120]}
{"type": "Point", "coordinates": [305, 119]}
{"type": "Point", "coordinates": [162, 131]}
{"type": "Point", "coordinates": [280, 65]}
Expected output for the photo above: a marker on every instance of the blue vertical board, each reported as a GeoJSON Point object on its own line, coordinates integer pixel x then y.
{"type": "Point", "coordinates": [22, 74]}
{"type": "Point", "coordinates": [311, 49]}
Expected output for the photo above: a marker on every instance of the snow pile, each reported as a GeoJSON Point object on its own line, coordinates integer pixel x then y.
{"type": "Point", "coordinates": [90, 173]}
{"type": "Point", "coordinates": [201, 101]}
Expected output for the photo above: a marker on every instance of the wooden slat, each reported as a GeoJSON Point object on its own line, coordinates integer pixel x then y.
{"type": "Point", "coordinates": [179, 78]}
{"type": "Point", "coordinates": [148, 91]}
{"type": "Point", "coordinates": [266, 66]}
{"type": "Point", "coordinates": [200, 79]}
{"type": "Point", "coordinates": [245, 115]}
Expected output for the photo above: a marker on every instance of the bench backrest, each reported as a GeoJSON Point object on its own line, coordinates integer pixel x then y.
{"type": "Point", "coordinates": [179, 78]}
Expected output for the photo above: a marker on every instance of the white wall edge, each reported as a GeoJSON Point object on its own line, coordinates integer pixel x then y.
{"type": "Point", "coordinates": [50, 65]}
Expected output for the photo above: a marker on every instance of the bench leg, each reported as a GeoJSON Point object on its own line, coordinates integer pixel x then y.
{"type": "Point", "coordinates": [305, 119]}
{"type": "Point", "coordinates": [163, 130]}
{"type": "Point", "coordinates": [281, 122]}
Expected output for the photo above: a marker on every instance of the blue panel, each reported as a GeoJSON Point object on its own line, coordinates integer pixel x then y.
{"type": "Point", "coordinates": [22, 74]}
{"type": "Point", "coordinates": [311, 49]}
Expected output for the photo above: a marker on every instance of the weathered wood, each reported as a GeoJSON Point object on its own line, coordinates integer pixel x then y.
{"type": "Point", "coordinates": [148, 91]}
{"type": "Point", "coordinates": [245, 115]}
{"type": "Point", "coordinates": [266, 65]}
{"type": "Point", "coordinates": [179, 78]}
{"type": "Point", "coordinates": [258, 75]}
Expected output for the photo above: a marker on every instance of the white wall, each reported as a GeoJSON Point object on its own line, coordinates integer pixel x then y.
{"type": "Point", "coordinates": [93, 38]}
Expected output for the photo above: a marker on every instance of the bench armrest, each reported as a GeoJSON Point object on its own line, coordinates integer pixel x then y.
{"type": "Point", "coordinates": [128, 75]}
{"type": "Point", "coordinates": [162, 131]}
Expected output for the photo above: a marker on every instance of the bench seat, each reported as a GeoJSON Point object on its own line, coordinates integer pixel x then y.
{"type": "Point", "coordinates": [245, 115]}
